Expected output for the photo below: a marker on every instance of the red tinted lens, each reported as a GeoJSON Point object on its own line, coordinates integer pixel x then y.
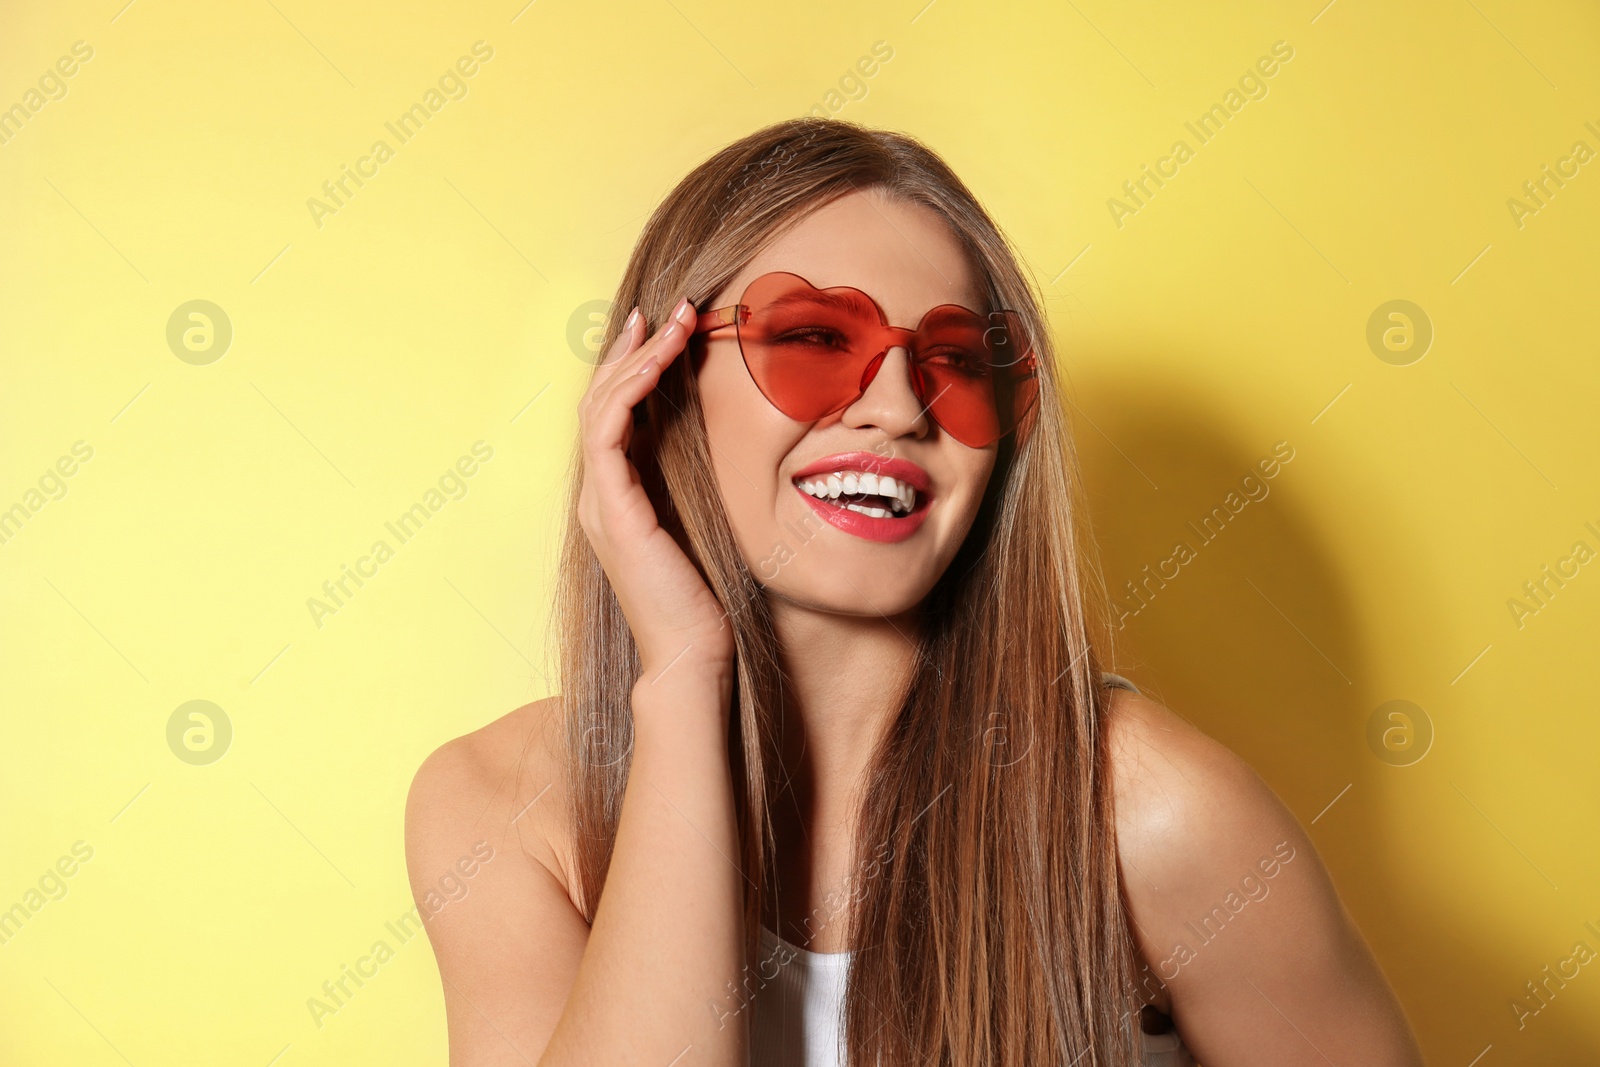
{"type": "Point", "coordinates": [958, 375]}
{"type": "Point", "coordinates": [1017, 368]}
{"type": "Point", "coordinates": [978, 372]}
{"type": "Point", "coordinates": [808, 351]}
{"type": "Point", "coordinates": [807, 348]}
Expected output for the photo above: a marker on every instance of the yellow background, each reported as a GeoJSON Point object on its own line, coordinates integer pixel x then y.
{"type": "Point", "coordinates": [434, 310]}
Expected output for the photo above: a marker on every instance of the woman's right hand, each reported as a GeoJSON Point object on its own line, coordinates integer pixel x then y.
{"type": "Point", "coordinates": [676, 621]}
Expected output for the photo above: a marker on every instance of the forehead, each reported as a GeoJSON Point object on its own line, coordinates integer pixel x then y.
{"type": "Point", "coordinates": [905, 256]}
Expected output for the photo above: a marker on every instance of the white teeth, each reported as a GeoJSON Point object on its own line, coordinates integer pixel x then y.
{"type": "Point", "coordinates": [901, 497]}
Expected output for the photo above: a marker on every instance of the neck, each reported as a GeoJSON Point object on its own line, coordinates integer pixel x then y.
{"type": "Point", "coordinates": [843, 677]}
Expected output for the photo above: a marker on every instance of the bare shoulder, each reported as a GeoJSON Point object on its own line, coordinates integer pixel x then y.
{"type": "Point", "coordinates": [1179, 792]}
{"type": "Point", "coordinates": [501, 784]}
{"type": "Point", "coordinates": [487, 858]}
{"type": "Point", "coordinates": [1233, 910]}
{"type": "Point", "coordinates": [1194, 820]}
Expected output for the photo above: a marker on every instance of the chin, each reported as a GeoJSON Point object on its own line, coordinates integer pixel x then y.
{"type": "Point", "coordinates": [861, 595]}
{"type": "Point", "coordinates": [810, 564]}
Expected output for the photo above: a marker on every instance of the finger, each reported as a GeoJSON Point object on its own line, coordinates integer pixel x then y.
{"type": "Point", "coordinates": [674, 337]}
{"type": "Point", "coordinates": [608, 427]}
{"type": "Point", "coordinates": [621, 347]}
{"type": "Point", "coordinates": [624, 340]}
{"type": "Point", "coordinates": [662, 349]}
{"type": "Point", "coordinates": [679, 321]}
{"type": "Point", "coordinates": [611, 407]}
{"type": "Point", "coordinates": [620, 351]}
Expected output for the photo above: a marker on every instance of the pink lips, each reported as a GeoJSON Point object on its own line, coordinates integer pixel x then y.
{"type": "Point", "coordinates": [854, 522]}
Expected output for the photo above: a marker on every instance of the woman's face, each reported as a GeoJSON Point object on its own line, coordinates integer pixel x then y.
{"type": "Point", "coordinates": [801, 547]}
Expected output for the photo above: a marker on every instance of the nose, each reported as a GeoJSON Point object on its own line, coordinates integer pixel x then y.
{"type": "Point", "coordinates": [890, 402]}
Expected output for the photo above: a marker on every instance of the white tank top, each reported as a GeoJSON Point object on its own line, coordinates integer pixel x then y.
{"type": "Point", "coordinates": [796, 1017]}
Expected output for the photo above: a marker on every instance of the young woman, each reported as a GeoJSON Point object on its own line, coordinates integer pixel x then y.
{"type": "Point", "coordinates": [834, 775]}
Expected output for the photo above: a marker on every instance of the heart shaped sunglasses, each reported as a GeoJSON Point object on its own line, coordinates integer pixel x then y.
{"type": "Point", "coordinates": [813, 352]}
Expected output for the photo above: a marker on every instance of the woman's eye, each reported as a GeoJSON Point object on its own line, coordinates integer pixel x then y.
{"type": "Point", "coordinates": [961, 360]}
{"type": "Point", "coordinates": [813, 335]}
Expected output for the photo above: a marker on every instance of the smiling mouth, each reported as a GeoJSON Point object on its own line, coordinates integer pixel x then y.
{"type": "Point", "coordinates": [874, 495]}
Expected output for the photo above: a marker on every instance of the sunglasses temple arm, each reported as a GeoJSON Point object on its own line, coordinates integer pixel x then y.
{"type": "Point", "coordinates": [716, 320]}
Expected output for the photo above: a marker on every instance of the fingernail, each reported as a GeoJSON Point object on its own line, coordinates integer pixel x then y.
{"type": "Point", "coordinates": [649, 365]}
{"type": "Point", "coordinates": [633, 317]}
{"type": "Point", "coordinates": [685, 313]}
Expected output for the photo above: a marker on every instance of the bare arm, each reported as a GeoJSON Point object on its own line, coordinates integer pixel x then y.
{"type": "Point", "coordinates": [507, 939]}
{"type": "Point", "coordinates": [667, 935]}
{"type": "Point", "coordinates": [1235, 912]}
{"type": "Point", "coordinates": [526, 980]}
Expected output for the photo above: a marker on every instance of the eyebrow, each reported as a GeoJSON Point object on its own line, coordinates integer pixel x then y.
{"type": "Point", "coordinates": [842, 301]}
{"type": "Point", "coordinates": [838, 301]}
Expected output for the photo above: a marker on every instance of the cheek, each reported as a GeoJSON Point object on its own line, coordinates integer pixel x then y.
{"type": "Point", "coordinates": [749, 439]}
{"type": "Point", "coordinates": [972, 469]}
{"type": "Point", "coordinates": [974, 478]}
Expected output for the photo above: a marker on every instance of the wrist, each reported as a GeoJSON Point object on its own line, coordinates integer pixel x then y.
{"type": "Point", "coordinates": [686, 673]}
{"type": "Point", "coordinates": [683, 694]}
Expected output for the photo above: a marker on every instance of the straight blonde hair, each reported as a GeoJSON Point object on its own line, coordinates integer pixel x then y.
{"type": "Point", "coordinates": [988, 926]}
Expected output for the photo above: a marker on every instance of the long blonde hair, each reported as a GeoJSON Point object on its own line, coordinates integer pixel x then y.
{"type": "Point", "coordinates": [991, 928]}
